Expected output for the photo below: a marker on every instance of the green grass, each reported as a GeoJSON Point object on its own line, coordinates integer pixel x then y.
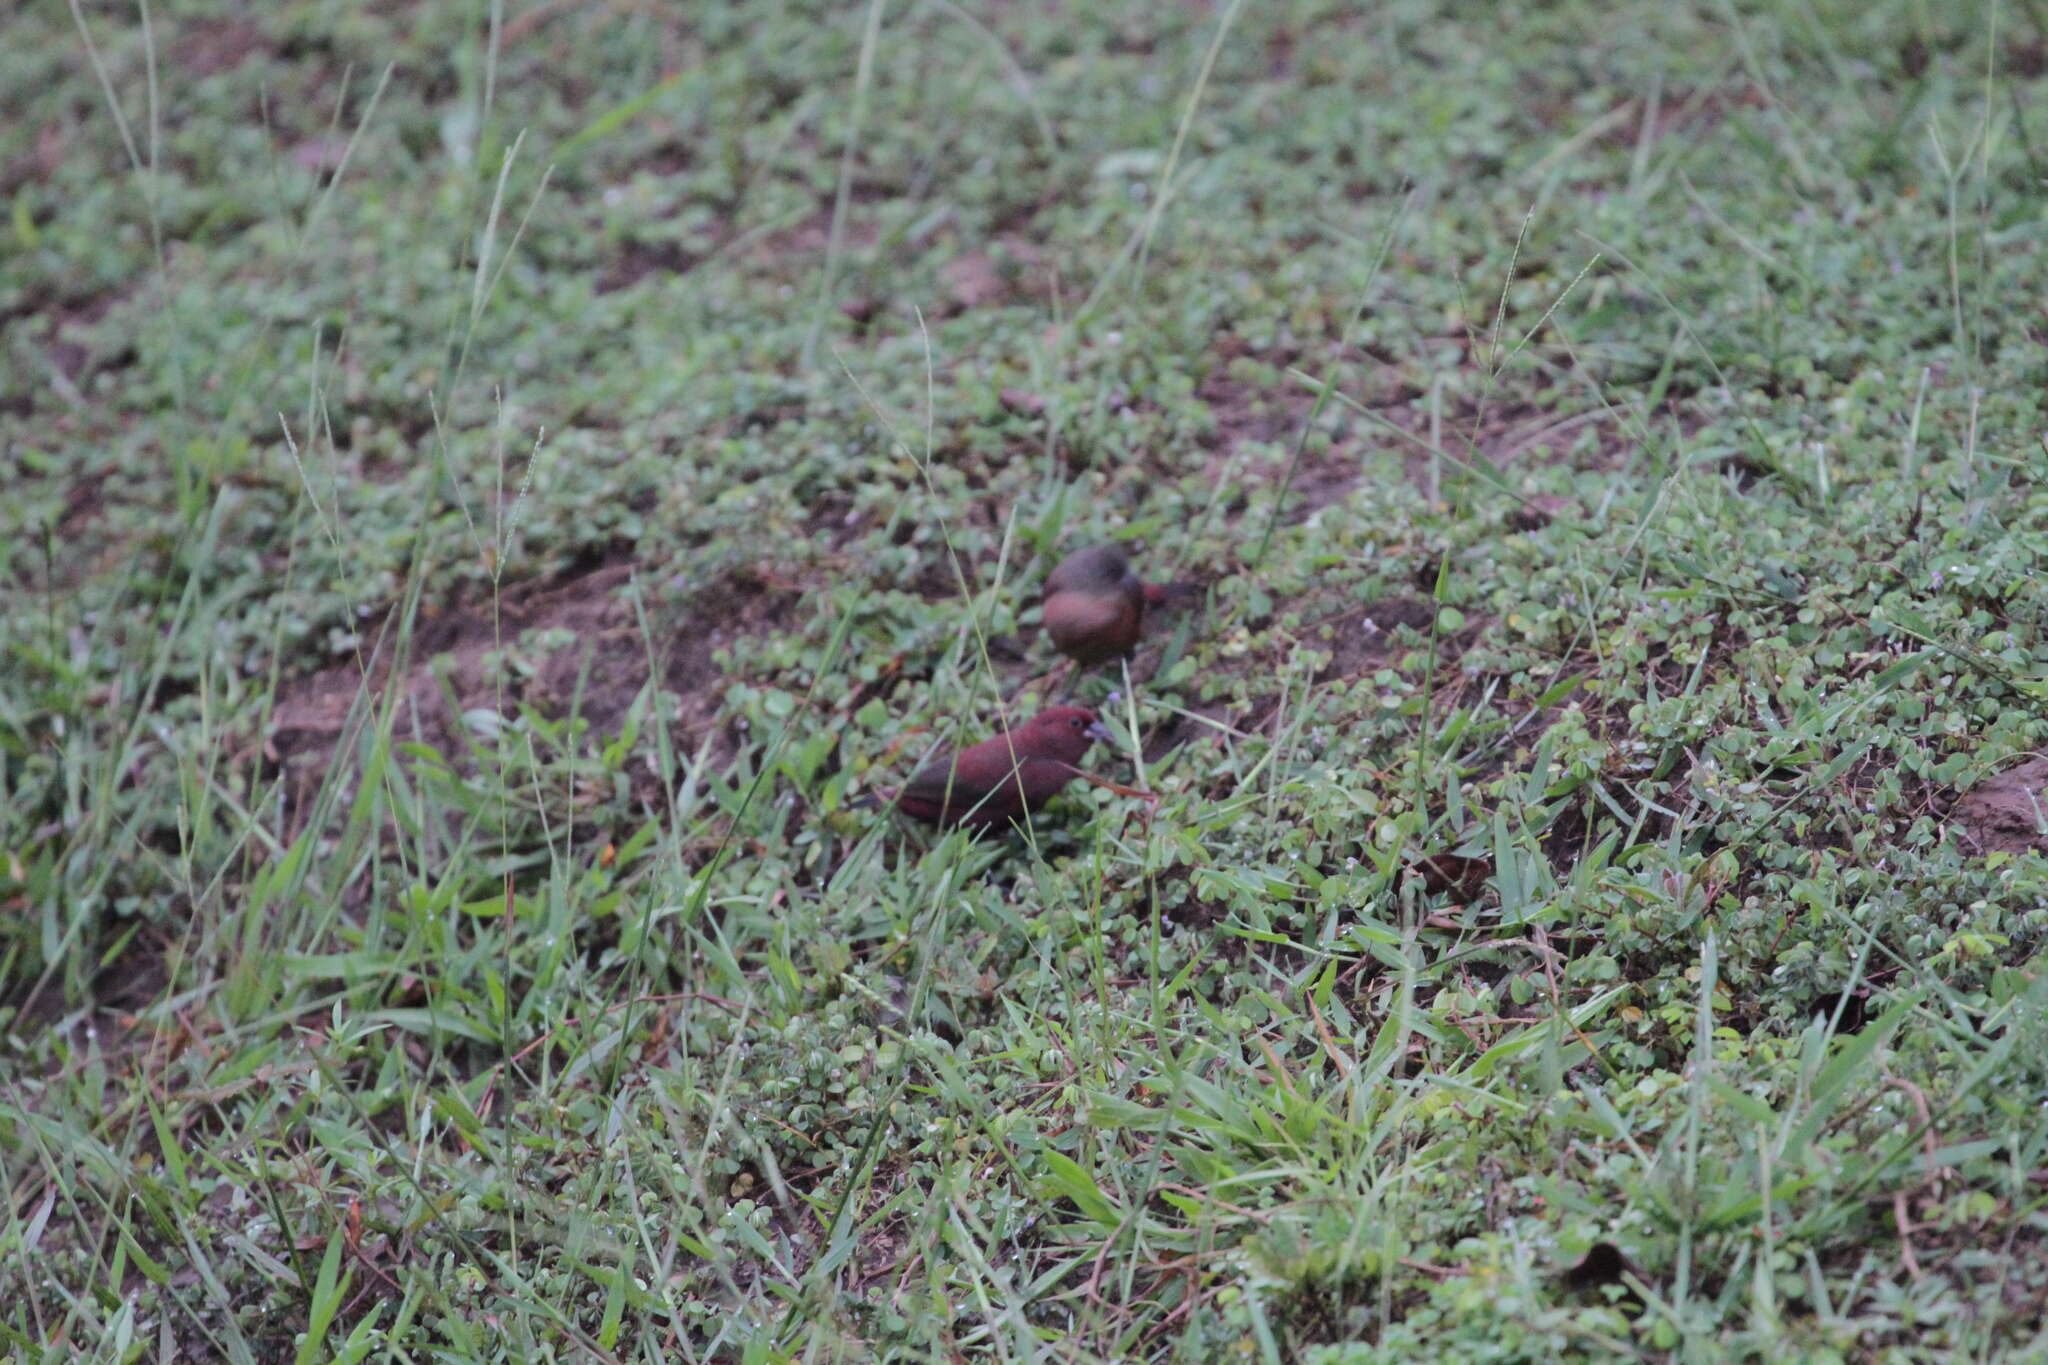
{"type": "Point", "coordinates": [487, 487]}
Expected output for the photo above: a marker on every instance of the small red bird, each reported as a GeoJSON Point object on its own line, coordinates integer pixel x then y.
{"type": "Point", "coordinates": [1095, 605]}
{"type": "Point", "coordinates": [1000, 779]}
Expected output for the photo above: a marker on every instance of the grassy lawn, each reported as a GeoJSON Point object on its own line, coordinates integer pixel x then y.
{"type": "Point", "coordinates": [488, 486]}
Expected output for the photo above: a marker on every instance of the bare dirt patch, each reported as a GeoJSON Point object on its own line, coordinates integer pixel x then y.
{"type": "Point", "coordinates": [1431, 441]}
{"type": "Point", "coordinates": [569, 643]}
{"type": "Point", "coordinates": [1323, 480]}
{"type": "Point", "coordinates": [40, 162]}
{"type": "Point", "coordinates": [1503, 432]}
{"type": "Point", "coordinates": [1245, 412]}
{"type": "Point", "coordinates": [72, 351]}
{"type": "Point", "coordinates": [1364, 637]}
{"type": "Point", "coordinates": [84, 502]}
{"type": "Point", "coordinates": [1694, 112]}
{"type": "Point", "coordinates": [1010, 270]}
{"type": "Point", "coordinates": [810, 237]}
{"type": "Point", "coordinates": [76, 539]}
{"type": "Point", "coordinates": [769, 248]}
{"type": "Point", "coordinates": [2006, 812]}
{"type": "Point", "coordinates": [208, 47]}
{"type": "Point", "coordinates": [641, 259]}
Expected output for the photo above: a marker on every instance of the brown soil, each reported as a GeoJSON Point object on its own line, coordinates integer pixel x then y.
{"type": "Point", "coordinates": [641, 259]}
{"type": "Point", "coordinates": [208, 47]}
{"type": "Point", "coordinates": [1014, 272]}
{"type": "Point", "coordinates": [1694, 111]}
{"type": "Point", "coordinates": [72, 352]}
{"type": "Point", "coordinates": [84, 501]}
{"type": "Point", "coordinates": [598, 673]}
{"type": "Point", "coordinates": [1356, 649]}
{"type": "Point", "coordinates": [1500, 429]}
{"type": "Point", "coordinates": [1502, 432]}
{"type": "Point", "coordinates": [1250, 412]}
{"type": "Point", "coordinates": [2006, 812]}
{"type": "Point", "coordinates": [40, 162]}
{"type": "Point", "coordinates": [807, 239]}
{"type": "Point", "coordinates": [1244, 412]}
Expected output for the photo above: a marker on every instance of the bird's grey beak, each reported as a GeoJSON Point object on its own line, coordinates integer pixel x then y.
{"type": "Point", "coordinates": [1097, 730]}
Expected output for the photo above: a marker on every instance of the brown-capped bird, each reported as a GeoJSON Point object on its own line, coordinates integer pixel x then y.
{"type": "Point", "coordinates": [1095, 605]}
{"type": "Point", "coordinates": [999, 779]}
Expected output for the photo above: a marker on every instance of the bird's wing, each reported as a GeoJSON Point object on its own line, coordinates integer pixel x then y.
{"type": "Point", "coordinates": [933, 781]}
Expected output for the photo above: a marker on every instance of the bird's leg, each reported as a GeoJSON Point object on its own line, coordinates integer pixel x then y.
{"type": "Point", "coordinates": [1149, 798]}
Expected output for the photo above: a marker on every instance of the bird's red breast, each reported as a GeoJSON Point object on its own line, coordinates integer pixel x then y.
{"type": "Point", "coordinates": [1094, 605]}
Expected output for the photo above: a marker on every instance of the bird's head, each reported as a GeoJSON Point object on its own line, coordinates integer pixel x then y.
{"type": "Point", "coordinates": [1064, 733]}
{"type": "Point", "coordinates": [1097, 569]}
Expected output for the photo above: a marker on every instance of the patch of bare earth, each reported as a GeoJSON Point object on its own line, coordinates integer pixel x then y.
{"type": "Point", "coordinates": [1010, 270]}
{"type": "Point", "coordinates": [763, 246]}
{"type": "Point", "coordinates": [1432, 441]}
{"type": "Point", "coordinates": [39, 162]}
{"type": "Point", "coordinates": [580, 647]}
{"type": "Point", "coordinates": [1244, 413]}
{"type": "Point", "coordinates": [1636, 120]}
{"type": "Point", "coordinates": [2006, 812]}
{"type": "Point", "coordinates": [1362, 639]}
{"type": "Point", "coordinates": [72, 345]}
{"type": "Point", "coordinates": [1241, 411]}
{"type": "Point", "coordinates": [638, 260]}
{"type": "Point", "coordinates": [1504, 432]}
{"type": "Point", "coordinates": [208, 47]}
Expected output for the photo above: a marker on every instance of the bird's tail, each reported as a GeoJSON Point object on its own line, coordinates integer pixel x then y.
{"type": "Point", "coordinates": [1172, 594]}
